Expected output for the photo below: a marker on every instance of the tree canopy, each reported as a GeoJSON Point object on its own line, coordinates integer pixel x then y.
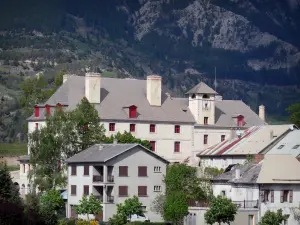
{"type": "Point", "coordinates": [294, 111]}
{"type": "Point", "coordinates": [88, 206]}
{"type": "Point", "coordinates": [273, 218]}
{"type": "Point", "coordinates": [221, 210]}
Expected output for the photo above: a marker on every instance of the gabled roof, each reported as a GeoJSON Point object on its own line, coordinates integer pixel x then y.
{"type": "Point", "coordinates": [202, 88]}
{"type": "Point", "coordinates": [101, 153]}
{"type": "Point", "coordinates": [252, 141]}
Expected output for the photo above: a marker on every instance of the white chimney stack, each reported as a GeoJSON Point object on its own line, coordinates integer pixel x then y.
{"type": "Point", "coordinates": [237, 173]}
{"type": "Point", "coordinates": [92, 87]}
{"type": "Point", "coordinates": [261, 112]}
{"type": "Point", "coordinates": [154, 90]}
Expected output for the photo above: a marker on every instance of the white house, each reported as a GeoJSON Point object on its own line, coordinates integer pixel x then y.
{"type": "Point", "coordinates": [271, 184]}
{"type": "Point", "coordinates": [113, 173]}
{"type": "Point", "coordinates": [177, 128]}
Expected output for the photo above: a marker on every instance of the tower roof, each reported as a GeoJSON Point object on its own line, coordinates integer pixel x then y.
{"type": "Point", "coordinates": [201, 88]}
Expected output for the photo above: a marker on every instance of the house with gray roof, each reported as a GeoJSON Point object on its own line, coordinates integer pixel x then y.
{"type": "Point", "coordinates": [113, 173]}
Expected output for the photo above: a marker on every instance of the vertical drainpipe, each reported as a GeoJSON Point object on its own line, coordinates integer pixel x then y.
{"type": "Point", "coordinates": [259, 202]}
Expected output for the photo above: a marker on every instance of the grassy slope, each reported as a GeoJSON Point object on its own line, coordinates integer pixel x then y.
{"type": "Point", "coordinates": [14, 149]}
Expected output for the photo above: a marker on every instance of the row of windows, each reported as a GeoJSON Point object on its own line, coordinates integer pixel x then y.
{"type": "Point", "coordinates": [268, 196]}
{"type": "Point", "coordinates": [132, 128]}
{"type": "Point", "coordinates": [123, 190]}
{"type": "Point", "coordinates": [123, 170]}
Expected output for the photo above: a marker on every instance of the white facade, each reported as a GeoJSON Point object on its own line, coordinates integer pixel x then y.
{"type": "Point", "coordinates": [156, 169]}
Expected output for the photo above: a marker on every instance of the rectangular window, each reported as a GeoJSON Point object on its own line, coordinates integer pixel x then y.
{"type": "Point", "coordinates": [280, 147]}
{"type": "Point", "coordinates": [152, 128]}
{"type": "Point", "coordinates": [177, 146]}
{"type": "Point", "coordinates": [123, 171]}
{"type": "Point", "coordinates": [153, 146]}
{"type": "Point", "coordinates": [251, 220]}
{"type": "Point", "coordinates": [157, 188]}
{"type": "Point", "coordinates": [36, 126]}
{"type": "Point", "coordinates": [157, 169]}
{"type": "Point", "coordinates": [132, 127]}
{"type": "Point", "coordinates": [142, 171]}
{"type": "Point", "coordinates": [36, 111]}
{"type": "Point", "coordinates": [266, 195]}
{"type": "Point", "coordinates": [132, 111]}
{"type": "Point", "coordinates": [73, 189]}
{"type": "Point", "coordinates": [86, 189]}
{"type": "Point", "coordinates": [86, 170]}
{"type": "Point", "coordinates": [112, 126]}
{"type": "Point", "coordinates": [177, 129]}
{"type": "Point", "coordinates": [142, 191]}
{"type": "Point", "coordinates": [73, 170]}
{"type": "Point", "coordinates": [123, 191]}
{"type": "Point", "coordinates": [222, 137]}
{"type": "Point", "coordinates": [284, 196]}
{"type": "Point", "coordinates": [205, 120]}
{"type": "Point", "coordinates": [296, 146]}
{"type": "Point", "coordinates": [205, 140]}
{"type": "Point", "coordinates": [23, 168]}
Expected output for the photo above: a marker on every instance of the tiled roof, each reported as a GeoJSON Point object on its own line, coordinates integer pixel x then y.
{"type": "Point", "coordinates": [117, 94]}
{"type": "Point", "coordinates": [202, 88]}
{"type": "Point", "coordinates": [251, 141]}
{"type": "Point", "coordinates": [104, 152]}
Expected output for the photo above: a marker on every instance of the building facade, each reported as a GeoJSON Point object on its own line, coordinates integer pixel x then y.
{"type": "Point", "coordinates": [113, 173]}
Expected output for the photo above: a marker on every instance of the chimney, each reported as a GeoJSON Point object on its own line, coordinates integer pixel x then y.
{"type": "Point", "coordinates": [66, 77]}
{"type": "Point", "coordinates": [92, 87]}
{"type": "Point", "coordinates": [237, 173]}
{"type": "Point", "coordinates": [258, 158]}
{"type": "Point", "coordinates": [261, 112]}
{"type": "Point", "coordinates": [154, 90]}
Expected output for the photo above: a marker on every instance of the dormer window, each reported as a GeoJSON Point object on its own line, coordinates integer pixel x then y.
{"type": "Point", "coordinates": [36, 111]}
{"type": "Point", "coordinates": [47, 110]}
{"type": "Point", "coordinates": [240, 121]}
{"type": "Point", "coordinates": [132, 111]}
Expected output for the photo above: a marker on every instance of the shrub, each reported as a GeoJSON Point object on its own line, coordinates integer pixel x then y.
{"type": "Point", "coordinates": [66, 222]}
{"type": "Point", "coordinates": [82, 222]}
{"type": "Point", "coordinates": [94, 222]}
{"type": "Point", "coordinates": [148, 223]}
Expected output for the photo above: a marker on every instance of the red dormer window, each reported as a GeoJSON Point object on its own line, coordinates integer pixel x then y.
{"type": "Point", "coordinates": [47, 110]}
{"type": "Point", "coordinates": [36, 111]}
{"type": "Point", "coordinates": [132, 111]}
{"type": "Point", "coordinates": [240, 121]}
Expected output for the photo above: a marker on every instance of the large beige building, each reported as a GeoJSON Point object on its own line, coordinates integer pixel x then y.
{"type": "Point", "coordinates": [177, 128]}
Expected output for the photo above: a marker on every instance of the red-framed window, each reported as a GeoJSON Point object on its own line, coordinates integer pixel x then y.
{"type": "Point", "coordinates": [240, 121]}
{"type": "Point", "coordinates": [123, 171]}
{"type": "Point", "coordinates": [142, 191]}
{"type": "Point", "coordinates": [176, 146]}
{"type": "Point", "coordinates": [222, 137]}
{"type": "Point", "coordinates": [123, 191]}
{"type": "Point", "coordinates": [36, 111]}
{"type": "Point", "coordinates": [152, 128]}
{"type": "Point", "coordinates": [177, 129]}
{"type": "Point", "coordinates": [153, 145]}
{"type": "Point", "coordinates": [112, 126]}
{"type": "Point", "coordinates": [132, 127]}
{"type": "Point", "coordinates": [142, 171]}
{"type": "Point", "coordinates": [205, 139]}
{"type": "Point", "coordinates": [205, 120]}
{"type": "Point", "coordinates": [132, 111]}
{"type": "Point", "coordinates": [48, 110]}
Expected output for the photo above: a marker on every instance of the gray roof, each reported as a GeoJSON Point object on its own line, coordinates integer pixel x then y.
{"type": "Point", "coordinates": [24, 158]}
{"type": "Point", "coordinates": [116, 94]}
{"type": "Point", "coordinates": [248, 174]}
{"type": "Point", "coordinates": [101, 153]}
{"type": "Point", "coordinates": [202, 88]}
{"type": "Point", "coordinates": [289, 145]}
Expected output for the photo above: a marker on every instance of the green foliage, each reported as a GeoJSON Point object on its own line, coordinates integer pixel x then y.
{"type": "Point", "coordinates": [157, 205]}
{"type": "Point", "coordinates": [249, 158]}
{"type": "Point", "coordinates": [175, 207]}
{"type": "Point", "coordinates": [88, 206]}
{"type": "Point", "coordinates": [82, 222]}
{"type": "Point", "coordinates": [294, 111]}
{"type": "Point", "coordinates": [13, 149]}
{"type": "Point", "coordinates": [130, 207]}
{"type": "Point", "coordinates": [65, 221]}
{"type": "Point", "coordinates": [127, 137]}
{"type": "Point", "coordinates": [221, 210]}
{"type": "Point", "coordinates": [212, 171]}
{"type": "Point", "coordinates": [145, 223]}
{"type": "Point", "coordinates": [273, 218]}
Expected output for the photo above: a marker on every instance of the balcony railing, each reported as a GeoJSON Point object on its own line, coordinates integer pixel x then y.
{"type": "Point", "coordinates": [195, 203]}
{"type": "Point", "coordinates": [99, 197]}
{"type": "Point", "coordinates": [246, 204]}
{"type": "Point", "coordinates": [110, 178]}
{"type": "Point", "coordinates": [97, 178]}
{"type": "Point", "coordinates": [110, 199]}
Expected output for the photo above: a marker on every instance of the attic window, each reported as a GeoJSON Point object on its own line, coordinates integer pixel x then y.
{"type": "Point", "coordinates": [280, 146]}
{"type": "Point", "coordinates": [205, 96]}
{"type": "Point", "coordinates": [36, 111]}
{"type": "Point", "coordinates": [240, 121]}
{"type": "Point", "coordinates": [132, 111]}
{"type": "Point", "coordinates": [296, 146]}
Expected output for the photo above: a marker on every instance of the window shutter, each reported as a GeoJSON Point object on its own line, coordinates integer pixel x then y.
{"type": "Point", "coordinates": [142, 171]}
{"type": "Point", "coordinates": [86, 170]}
{"type": "Point", "coordinates": [73, 170]}
{"type": "Point", "coordinates": [123, 190]}
{"type": "Point", "coordinates": [142, 191]}
{"type": "Point", "coordinates": [262, 196]}
{"type": "Point", "coordinates": [86, 190]}
{"type": "Point", "coordinates": [272, 195]}
{"type": "Point", "coordinates": [291, 196]}
{"type": "Point", "coordinates": [123, 171]}
{"type": "Point", "coordinates": [281, 196]}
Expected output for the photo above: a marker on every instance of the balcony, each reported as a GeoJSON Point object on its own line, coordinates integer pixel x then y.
{"type": "Point", "coordinates": [99, 197]}
{"type": "Point", "coordinates": [246, 204]}
{"type": "Point", "coordinates": [97, 178]}
{"type": "Point", "coordinates": [110, 199]}
{"type": "Point", "coordinates": [110, 178]}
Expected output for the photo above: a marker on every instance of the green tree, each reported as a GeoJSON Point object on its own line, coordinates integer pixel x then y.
{"type": "Point", "coordinates": [89, 206]}
{"type": "Point", "coordinates": [157, 205]}
{"type": "Point", "coordinates": [212, 171]}
{"type": "Point", "coordinates": [130, 207]}
{"type": "Point", "coordinates": [294, 111]}
{"type": "Point", "coordinates": [273, 218]}
{"type": "Point", "coordinates": [221, 210]}
{"type": "Point", "coordinates": [175, 207]}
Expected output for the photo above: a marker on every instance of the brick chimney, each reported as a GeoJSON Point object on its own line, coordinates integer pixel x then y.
{"type": "Point", "coordinates": [92, 87]}
{"type": "Point", "coordinates": [154, 90]}
{"type": "Point", "coordinates": [258, 158]}
{"type": "Point", "coordinates": [261, 112]}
